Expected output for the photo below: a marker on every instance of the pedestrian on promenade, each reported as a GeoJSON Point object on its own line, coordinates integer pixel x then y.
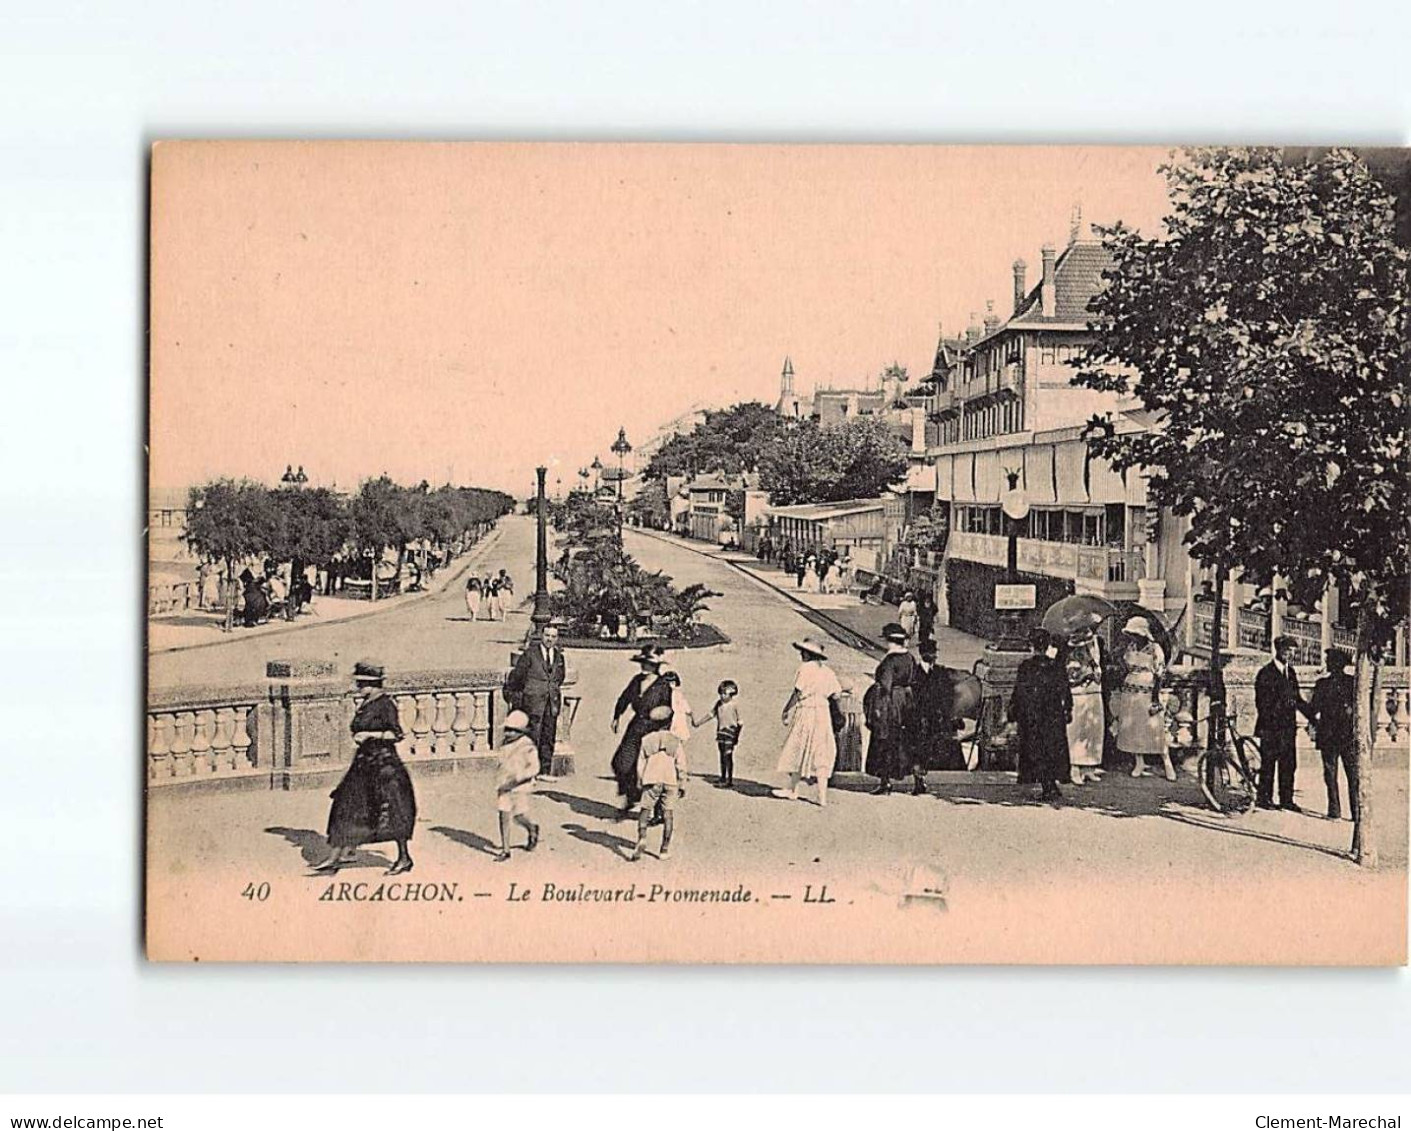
{"type": "Point", "coordinates": [374, 802]}
{"type": "Point", "coordinates": [933, 745]}
{"type": "Point", "coordinates": [472, 597]}
{"type": "Point", "coordinates": [1277, 705]}
{"type": "Point", "coordinates": [494, 609]}
{"type": "Point", "coordinates": [907, 615]}
{"type": "Point", "coordinates": [1083, 665]}
{"type": "Point", "coordinates": [1042, 706]}
{"type": "Point", "coordinates": [506, 585]}
{"type": "Point", "coordinates": [925, 617]}
{"type": "Point", "coordinates": [1330, 711]}
{"type": "Point", "coordinates": [646, 691]}
{"type": "Point", "coordinates": [726, 714]}
{"type": "Point", "coordinates": [514, 787]}
{"type": "Point", "coordinates": [811, 750]}
{"type": "Point", "coordinates": [662, 771]}
{"type": "Point", "coordinates": [535, 686]}
{"type": "Point", "coordinates": [802, 569]}
{"type": "Point", "coordinates": [890, 714]}
{"type": "Point", "coordinates": [1138, 714]}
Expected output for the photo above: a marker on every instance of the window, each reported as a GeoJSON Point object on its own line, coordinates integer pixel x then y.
{"type": "Point", "coordinates": [1048, 355]}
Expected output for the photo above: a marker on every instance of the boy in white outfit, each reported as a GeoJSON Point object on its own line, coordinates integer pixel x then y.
{"type": "Point", "coordinates": [519, 763]}
{"type": "Point", "coordinates": [662, 772]}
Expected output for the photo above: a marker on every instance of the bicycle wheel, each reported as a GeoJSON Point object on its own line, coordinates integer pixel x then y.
{"type": "Point", "coordinates": [1223, 785]}
{"type": "Point", "coordinates": [1246, 780]}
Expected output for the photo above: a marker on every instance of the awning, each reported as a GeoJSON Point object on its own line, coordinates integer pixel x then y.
{"type": "Point", "coordinates": [1071, 458]}
{"type": "Point", "coordinates": [945, 468]}
{"type": "Point", "coordinates": [989, 483]}
{"type": "Point", "coordinates": [1038, 474]}
{"type": "Point", "coordinates": [964, 477]}
{"type": "Point", "coordinates": [1104, 484]}
{"type": "Point", "coordinates": [1136, 487]}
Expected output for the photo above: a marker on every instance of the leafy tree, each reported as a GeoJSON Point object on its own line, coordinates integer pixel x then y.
{"type": "Point", "coordinates": [376, 519]}
{"type": "Point", "coordinates": [311, 525]}
{"type": "Point", "coordinates": [1266, 329]}
{"type": "Point", "coordinates": [854, 459]}
{"type": "Point", "coordinates": [732, 440]}
{"type": "Point", "coordinates": [228, 521]}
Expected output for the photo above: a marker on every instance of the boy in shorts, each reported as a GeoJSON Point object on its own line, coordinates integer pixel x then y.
{"type": "Point", "coordinates": [519, 762]}
{"type": "Point", "coordinates": [662, 772]}
{"type": "Point", "coordinates": [727, 729]}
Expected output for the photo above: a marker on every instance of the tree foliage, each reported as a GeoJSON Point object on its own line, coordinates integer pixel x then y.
{"type": "Point", "coordinates": [732, 440]}
{"type": "Point", "coordinates": [853, 459]}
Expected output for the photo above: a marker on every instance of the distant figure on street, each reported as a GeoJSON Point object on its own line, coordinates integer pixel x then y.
{"type": "Point", "coordinates": [535, 686]}
{"type": "Point", "coordinates": [472, 597]}
{"type": "Point", "coordinates": [1083, 666]}
{"type": "Point", "coordinates": [1042, 706]}
{"type": "Point", "coordinates": [811, 750]}
{"type": "Point", "coordinates": [892, 706]}
{"type": "Point", "coordinates": [374, 802]}
{"type": "Point", "coordinates": [925, 617]}
{"type": "Point", "coordinates": [933, 744]}
{"type": "Point", "coordinates": [907, 615]}
{"type": "Point", "coordinates": [494, 602]}
{"type": "Point", "coordinates": [514, 786]}
{"type": "Point", "coordinates": [1277, 705]}
{"type": "Point", "coordinates": [1330, 711]}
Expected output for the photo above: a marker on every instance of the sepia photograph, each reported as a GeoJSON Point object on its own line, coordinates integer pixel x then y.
{"type": "Point", "coordinates": [722, 553]}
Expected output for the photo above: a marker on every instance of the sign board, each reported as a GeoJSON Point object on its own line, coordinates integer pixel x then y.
{"type": "Point", "coordinates": [1015, 597]}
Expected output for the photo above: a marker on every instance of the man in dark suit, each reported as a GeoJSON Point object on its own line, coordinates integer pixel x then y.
{"type": "Point", "coordinates": [1331, 711]}
{"type": "Point", "coordinates": [535, 686]}
{"type": "Point", "coordinates": [1277, 704]}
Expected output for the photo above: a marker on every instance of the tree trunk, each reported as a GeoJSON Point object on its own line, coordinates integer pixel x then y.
{"type": "Point", "coordinates": [228, 585]}
{"type": "Point", "coordinates": [1215, 728]}
{"type": "Point", "coordinates": [372, 571]}
{"type": "Point", "coordinates": [1366, 686]}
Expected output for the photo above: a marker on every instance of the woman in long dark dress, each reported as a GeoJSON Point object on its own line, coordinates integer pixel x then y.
{"type": "Point", "coordinates": [374, 802]}
{"type": "Point", "coordinates": [644, 692]}
{"type": "Point", "coordinates": [1042, 706]}
{"type": "Point", "coordinates": [891, 717]}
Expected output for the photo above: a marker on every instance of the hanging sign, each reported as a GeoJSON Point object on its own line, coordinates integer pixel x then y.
{"type": "Point", "coordinates": [1010, 597]}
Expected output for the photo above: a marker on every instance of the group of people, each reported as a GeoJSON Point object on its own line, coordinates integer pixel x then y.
{"type": "Point", "coordinates": [488, 597]}
{"type": "Point", "coordinates": [273, 592]}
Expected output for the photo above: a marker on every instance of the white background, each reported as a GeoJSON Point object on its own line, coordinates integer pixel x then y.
{"type": "Point", "coordinates": [85, 87]}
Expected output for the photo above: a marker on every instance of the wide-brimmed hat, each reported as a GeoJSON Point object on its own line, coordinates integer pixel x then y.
{"type": "Point", "coordinates": [650, 654]}
{"type": "Point", "coordinates": [364, 671]}
{"type": "Point", "coordinates": [517, 721]}
{"type": "Point", "coordinates": [1137, 626]}
{"type": "Point", "coordinates": [894, 632]}
{"type": "Point", "coordinates": [812, 646]}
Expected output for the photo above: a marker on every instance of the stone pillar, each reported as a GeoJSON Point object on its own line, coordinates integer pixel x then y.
{"type": "Point", "coordinates": [1277, 608]}
{"type": "Point", "coordinates": [1189, 626]}
{"type": "Point", "coordinates": [308, 728]}
{"type": "Point", "coordinates": [1232, 586]}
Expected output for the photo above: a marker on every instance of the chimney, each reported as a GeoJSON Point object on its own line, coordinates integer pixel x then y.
{"type": "Point", "coordinates": [1048, 300]}
{"type": "Point", "coordinates": [991, 318]}
{"type": "Point", "coordinates": [972, 331]}
{"type": "Point", "coordinates": [1021, 269]}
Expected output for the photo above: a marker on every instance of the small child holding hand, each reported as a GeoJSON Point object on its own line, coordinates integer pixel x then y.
{"type": "Point", "coordinates": [727, 729]}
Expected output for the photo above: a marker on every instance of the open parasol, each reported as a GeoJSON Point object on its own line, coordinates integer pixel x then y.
{"type": "Point", "coordinates": [1082, 612]}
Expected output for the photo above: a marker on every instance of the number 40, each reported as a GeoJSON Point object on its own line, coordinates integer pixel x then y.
{"type": "Point", "coordinates": [258, 893]}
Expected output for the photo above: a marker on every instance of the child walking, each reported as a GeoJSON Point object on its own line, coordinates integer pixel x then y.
{"type": "Point", "coordinates": [662, 772]}
{"type": "Point", "coordinates": [727, 729]}
{"type": "Point", "coordinates": [519, 762]}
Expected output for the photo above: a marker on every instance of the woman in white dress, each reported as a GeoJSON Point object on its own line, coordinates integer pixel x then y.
{"type": "Point", "coordinates": [494, 607]}
{"type": "Point", "coordinates": [907, 615]}
{"type": "Point", "coordinates": [1139, 715]}
{"type": "Point", "coordinates": [810, 577]}
{"type": "Point", "coordinates": [1085, 732]}
{"type": "Point", "coordinates": [472, 598]}
{"type": "Point", "coordinates": [811, 749]}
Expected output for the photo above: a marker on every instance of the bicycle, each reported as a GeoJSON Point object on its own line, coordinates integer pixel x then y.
{"type": "Point", "coordinates": [1227, 775]}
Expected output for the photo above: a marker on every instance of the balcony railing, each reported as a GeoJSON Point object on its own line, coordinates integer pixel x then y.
{"type": "Point", "coordinates": [1103, 565]}
{"type": "Point", "coordinates": [1307, 632]}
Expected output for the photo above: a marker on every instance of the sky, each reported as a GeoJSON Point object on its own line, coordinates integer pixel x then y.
{"type": "Point", "coordinates": [465, 312]}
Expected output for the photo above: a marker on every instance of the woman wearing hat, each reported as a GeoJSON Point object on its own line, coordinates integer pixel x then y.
{"type": "Point", "coordinates": [890, 717]}
{"type": "Point", "coordinates": [645, 691]}
{"type": "Point", "coordinates": [811, 749]}
{"type": "Point", "coordinates": [1138, 714]}
{"type": "Point", "coordinates": [374, 802]}
{"type": "Point", "coordinates": [907, 615]}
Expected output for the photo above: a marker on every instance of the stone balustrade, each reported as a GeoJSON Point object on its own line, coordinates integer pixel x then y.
{"type": "Point", "coordinates": [165, 598]}
{"type": "Point", "coordinates": [294, 730]}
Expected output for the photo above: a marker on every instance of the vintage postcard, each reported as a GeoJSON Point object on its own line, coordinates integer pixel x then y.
{"type": "Point", "coordinates": [777, 554]}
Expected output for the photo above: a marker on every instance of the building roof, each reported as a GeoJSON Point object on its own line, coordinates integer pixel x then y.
{"type": "Point", "coordinates": [713, 482]}
{"type": "Point", "coordinates": [1077, 277]}
{"type": "Point", "coordinates": [828, 510]}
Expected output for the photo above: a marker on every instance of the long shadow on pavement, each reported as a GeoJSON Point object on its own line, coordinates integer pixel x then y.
{"type": "Point", "coordinates": [313, 847]}
{"type": "Point", "coordinates": [468, 839]}
{"type": "Point", "coordinates": [583, 806]}
{"type": "Point", "coordinates": [618, 846]}
{"type": "Point", "coordinates": [1256, 834]}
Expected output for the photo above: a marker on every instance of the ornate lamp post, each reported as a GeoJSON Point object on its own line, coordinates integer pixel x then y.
{"type": "Point", "coordinates": [292, 478]}
{"type": "Point", "coordinates": [621, 447]}
{"type": "Point", "coordinates": [1012, 602]}
{"type": "Point", "coordinates": [1002, 658]}
{"type": "Point", "coordinates": [597, 474]}
{"type": "Point", "coordinates": [540, 617]}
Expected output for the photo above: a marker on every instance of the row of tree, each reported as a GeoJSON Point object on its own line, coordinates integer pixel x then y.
{"type": "Point", "coordinates": [1266, 329]}
{"type": "Point", "coordinates": [232, 521]}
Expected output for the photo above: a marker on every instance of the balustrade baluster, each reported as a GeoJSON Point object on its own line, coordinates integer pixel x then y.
{"type": "Point", "coordinates": [242, 757]}
{"type": "Point", "coordinates": [421, 727]}
{"type": "Point", "coordinates": [406, 717]}
{"type": "Point", "coordinates": [159, 746]}
{"type": "Point", "coordinates": [181, 744]}
{"type": "Point", "coordinates": [205, 725]}
{"type": "Point", "coordinates": [462, 741]}
{"type": "Point", "coordinates": [480, 722]}
{"type": "Point", "coordinates": [222, 756]}
{"type": "Point", "coordinates": [441, 725]}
